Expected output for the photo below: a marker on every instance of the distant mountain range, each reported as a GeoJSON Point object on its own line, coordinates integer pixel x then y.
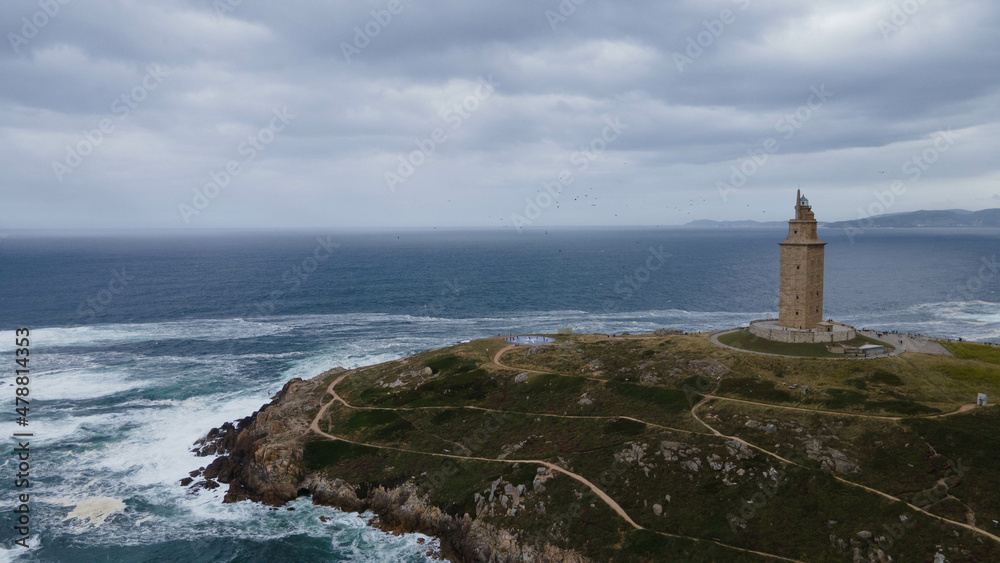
{"type": "Point", "coordinates": [939, 218]}
{"type": "Point", "coordinates": [943, 218]}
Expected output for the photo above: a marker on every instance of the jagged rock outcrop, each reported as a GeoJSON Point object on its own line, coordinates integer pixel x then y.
{"type": "Point", "coordinates": [260, 458]}
{"type": "Point", "coordinates": [667, 331]}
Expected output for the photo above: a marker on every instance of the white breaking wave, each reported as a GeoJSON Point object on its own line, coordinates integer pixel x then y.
{"type": "Point", "coordinates": [113, 334]}
{"type": "Point", "coordinates": [969, 320]}
{"type": "Point", "coordinates": [948, 317]}
{"type": "Point", "coordinates": [84, 384]}
{"type": "Point", "coordinates": [118, 426]}
{"type": "Point", "coordinates": [118, 464]}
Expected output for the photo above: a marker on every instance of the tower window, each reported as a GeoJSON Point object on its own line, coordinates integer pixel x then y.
{"type": "Point", "coordinates": [796, 267]}
{"type": "Point", "coordinates": [796, 232]}
{"type": "Point", "coordinates": [796, 296]}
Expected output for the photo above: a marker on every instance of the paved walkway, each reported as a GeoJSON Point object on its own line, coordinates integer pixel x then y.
{"type": "Point", "coordinates": [921, 344]}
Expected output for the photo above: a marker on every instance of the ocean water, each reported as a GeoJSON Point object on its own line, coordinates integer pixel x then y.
{"type": "Point", "coordinates": [141, 344]}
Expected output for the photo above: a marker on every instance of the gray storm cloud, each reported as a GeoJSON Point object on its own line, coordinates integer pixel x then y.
{"type": "Point", "coordinates": [135, 114]}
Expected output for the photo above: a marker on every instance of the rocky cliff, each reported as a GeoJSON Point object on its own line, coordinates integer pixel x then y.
{"type": "Point", "coordinates": [260, 459]}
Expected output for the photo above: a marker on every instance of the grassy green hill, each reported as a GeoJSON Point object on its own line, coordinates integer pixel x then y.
{"type": "Point", "coordinates": [713, 454]}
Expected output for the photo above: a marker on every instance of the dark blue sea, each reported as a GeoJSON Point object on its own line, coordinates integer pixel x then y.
{"type": "Point", "coordinates": [141, 343]}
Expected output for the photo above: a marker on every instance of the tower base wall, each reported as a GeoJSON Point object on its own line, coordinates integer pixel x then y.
{"type": "Point", "coordinates": [825, 332]}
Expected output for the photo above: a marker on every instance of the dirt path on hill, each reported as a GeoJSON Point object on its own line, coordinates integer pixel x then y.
{"type": "Point", "coordinates": [708, 398]}
{"type": "Point", "coordinates": [314, 426]}
{"type": "Point", "coordinates": [342, 401]}
{"type": "Point", "coordinates": [963, 408]}
{"type": "Point", "coordinates": [484, 409]}
{"type": "Point", "coordinates": [801, 409]}
{"type": "Point", "coordinates": [554, 469]}
{"type": "Point", "coordinates": [505, 349]}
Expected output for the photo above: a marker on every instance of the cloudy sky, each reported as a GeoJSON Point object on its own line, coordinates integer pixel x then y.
{"type": "Point", "coordinates": [398, 113]}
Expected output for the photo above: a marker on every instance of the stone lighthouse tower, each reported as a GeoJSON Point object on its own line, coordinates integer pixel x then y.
{"type": "Point", "coordinates": [800, 295]}
{"type": "Point", "coordinates": [800, 291]}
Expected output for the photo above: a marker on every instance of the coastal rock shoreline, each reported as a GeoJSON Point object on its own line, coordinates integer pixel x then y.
{"type": "Point", "coordinates": [260, 458]}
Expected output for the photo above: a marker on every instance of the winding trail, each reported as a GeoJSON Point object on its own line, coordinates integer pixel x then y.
{"type": "Point", "coordinates": [496, 360]}
{"type": "Point", "coordinates": [554, 469]}
{"type": "Point", "coordinates": [887, 496]}
{"type": "Point", "coordinates": [709, 397]}
{"type": "Point", "coordinates": [610, 502]}
{"type": "Point", "coordinates": [505, 349]}
{"type": "Point", "coordinates": [314, 426]}
{"type": "Point", "coordinates": [963, 408]}
{"type": "Point", "coordinates": [522, 413]}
